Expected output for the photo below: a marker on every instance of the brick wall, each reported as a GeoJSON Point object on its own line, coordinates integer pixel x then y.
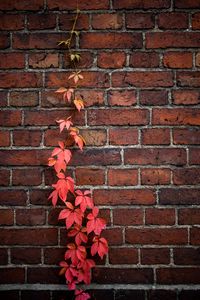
{"type": "Point", "coordinates": [140, 63]}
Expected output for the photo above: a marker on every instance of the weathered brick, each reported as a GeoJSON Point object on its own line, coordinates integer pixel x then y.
{"type": "Point", "coordinates": [27, 177]}
{"type": "Point", "coordinates": [139, 21]}
{"type": "Point", "coordinates": [111, 60]}
{"type": "Point", "coordinates": [157, 236]}
{"type": "Point", "coordinates": [196, 21]}
{"type": "Point", "coordinates": [142, 79]}
{"type": "Point", "coordinates": [171, 40]}
{"type": "Point", "coordinates": [186, 176]}
{"type": "Point", "coordinates": [123, 136]}
{"type": "Point", "coordinates": [124, 196]}
{"type": "Point", "coordinates": [194, 156]}
{"type": "Point", "coordinates": [185, 196]}
{"type": "Point", "coordinates": [30, 217]}
{"type": "Point", "coordinates": [144, 60]}
{"type": "Point", "coordinates": [189, 216]}
{"type": "Point", "coordinates": [66, 21]}
{"type": "Point", "coordinates": [133, 216]}
{"type": "Point", "coordinates": [20, 80]}
{"type": "Point", "coordinates": [6, 217]}
{"type": "Point", "coordinates": [24, 157]}
{"type": "Point", "coordinates": [90, 176]}
{"type": "Point", "coordinates": [155, 176]}
{"type": "Point", "coordinates": [4, 41]}
{"type": "Point", "coordinates": [4, 177]}
{"type": "Point", "coordinates": [186, 97]}
{"type": "Point", "coordinates": [122, 177]}
{"type": "Point", "coordinates": [42, 21]}
{"type": "Point", "coordinates": [188, 79]}
{"type": "Point", "coordinates": [118, 117]}
{"type": "Point", "coordinates": [14, 60]}
{"type": "Point", "coordinates": [173, 20]}
{"type": "Point", "coordinates": [3, 256]}
{"type": "Point", "coordinates": [121, 97]}
{"type": "Point", "coordinates": [153, 97]}
{"type": "Point", "coordinates": [123, 256]}
{"type": "Point", "coordinates": [143, 4]}
{"type": "Point", "coordinates": [86, 60]}
{"type": "Point", "coordinates": [187, 4]}
{"type": "Point", "coordinates": [186, 256]}
{"type": "Point", "coordinates": [27, 137]}
{"type": "Point", "coordinates": [156, 216]}
{"type": "Point", "coordinates": [176, 116]}
{"type": "Point", "coordinates": [156, 136]}
{"type": "Point", "coordinates": [178, 275]}
{"type": "Point", "coordinates": [83, 5]}
{"type": "Point", "coordinates": [107, 21]}
{"type": "Point", "coordinates": [11, 22]}
{"type": "Point", "coordinates": [155, 256]}
{"type": "Point", "coordinates": [46, 60]}
{"type": "Point", "coordinates": [26, 256]}
{"type": "Point", "coordinates": [155, 156]}
{"type": "Point", "coordinates": [10, 118]}
{"type": "Point", "coordinates": [21, 5]}
{"type": "Point", "coordinates": [111, 40]}
{"type": "Point", "coordinates": [24, 98]}
{"type": "Point", "coordinates": [13, 197]}
{"type": "Point", "coordinates": [178, 60]}
{"type": "Point", "coordinates": [194, 236]}
{"type": "Point", "coordinates": [4, 138]}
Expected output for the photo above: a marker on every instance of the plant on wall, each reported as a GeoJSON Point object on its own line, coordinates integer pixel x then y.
{"type": "Point", "coordinates": [83, 225]}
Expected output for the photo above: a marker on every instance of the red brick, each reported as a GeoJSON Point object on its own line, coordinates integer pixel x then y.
{"type": "Point", "coordinates": [189, 294]}
{"type": "Point", "coordinates": [26, 256]}
{"type": "Point", "coordinates": [43, 275]}
{"type": "Point", "coordinates": [173, 20]}
{"type": "Point", "coordinates": [187, 4]}
{"type": "Point", "coordinates": [186, 256]}
{"type": "Point", "coordinates": [30, 217]}
{"type": "Point", "coordinates": [189, 216]}
{"type": "Point", "coordinates": [155, 176]}
{"type": "Point", "coordinates": [186, 136]}
{"type": "Point", "coordinates": [53, 255]}
{"type": "Point", "coordinates": [123, 136]}
{"type": "Point", "coordinates": [3, 257]}
{"type": "Point", "coordinates": [185, 97]}
{"type": "Point", "coordinates": [122, 177]}
{"type": "Point", "coordinates": [12, 60]}
{"type": "Point", "coordinates": [48, 117]}
{"type": "Point", "coordinates": [6, 217]}
{"type": "Point", "coordinates": [144, 60]}
{"type": "Point", "coordinates": [139, 21]}
{"type": "Point", "coordinates": [188, 78]}
{"type": "Point", "coordinates": [4, 177]}
{"type": "Point", "coordinates": [133, 216]}
{"type": "Point", "coordinates": [21, 5]}
{"type": "Point", "coordinates": [86, 60]}
{"type": "Point", "coordinates": [111, 60]}
{"type": "Point", "coordinates": [155, 256]}
{"type": "Point", "coordinates": [46, 60]}
{"type": "Point", "coordinates": [194, 236]}
{"type": "Point", "coordinates": [194, 156]}
{"type": "Point", "coordinates": [171, 40]}
{"type": "Point", "coordinates": [142, 79]}
{"type": "Point", "coordinates": [156, 236]}
{"type": "Point", "coordinates": [184, 196]}
{"type": "Point", "coordinates": [90, 79]}
{"type": "Point", "coordinates": [97, 157]}
{"type": "Point", "coordinates": [156, 216]}
{"type": "Point", "coordinates": [12, 275]}
{"type": "Point", "coordinates": [4, 138]}
{"type": "Point", "coordinates": [198, 59]}
{"type": "Point", "coordinates": [24, 98]}
{"type": "Point", "coordinates": [122, 97]}
{"type": "Point", "coordinates": [12, 295]}
{"type": "Point", "coordinates": [66, 21]}
{"type": "Point", "coordinates": [114, 236]}
{"type": "Point", "coordinates": [27, 177]}
{"type": "Point", "coordinates": [27, 137]}
{"type": "Point", "coordinates": [123, 256]}
{"type": "Point", "coordinates": [42, 21]}
{"type": "Point", "coordinates": [40, 196]}
{"type": "Point", "coordinates": [196, 21]}
{"type": "Point", "coordinates": [156, 136]}
{"type": "Point", "coordinates": [51, 137]}
{"type": "Point", "coordinates": [37, 40]}
{"type": "Point", "coordinates": [24, 157]}
{"type": "Point", "coordinates": [4, 40]}
{"type": "Point", "coordinates": [176, 116]}
{"type": "Point", "coordinates": [117, 275]}
{"type": "Point", "coordinates": [111, 40]}
{"type": "Point", "coordinates": [107, 21]}
{"type": "Point", "coordinates": [82, 4]}
{"type": "Point", "coordinates": [3, 98]}
{"type": "Point", "coordinates": [10, 118]}
{"type": "Point", "coordinates": [118, 117]}
{"type": "Point", "coordinates": [90, 176]}
{"type": "Point", "coordinates": [178, 60]}
{"type": "Point", "coordinates": [151, 97]}
{"type": "Point", "coordinates": [123, 197]}
{"type": "Point", "coordinates": [20, 80]}
{"type": "Point", "coordinates": [186, 176]}
{"type": "Point", "coordinates": [34, 237]}
{"type": "Point", "coordinates": [143, 4]}
{"type": "Point", "coordinates": [13, 197]}
{"type": "Point", "coordinates": [11, 22]}
{"type": "Point", "coordinates": [155, 156]}
{"type": "Point", "coordinates": [178, 275]}
{"type": "Point", "coordinates": [94, 137]}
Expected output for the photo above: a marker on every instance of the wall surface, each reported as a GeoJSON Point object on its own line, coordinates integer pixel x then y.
{"type": "Point", "coordinates": [141, 70]}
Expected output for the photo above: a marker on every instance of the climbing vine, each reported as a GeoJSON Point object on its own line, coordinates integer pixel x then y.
{"type": "Point", "coordinates": [83, 225]}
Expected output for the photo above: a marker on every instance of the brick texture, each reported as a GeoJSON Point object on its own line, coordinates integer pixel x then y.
{"type": "Point", "coordinates": [141, 65]}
